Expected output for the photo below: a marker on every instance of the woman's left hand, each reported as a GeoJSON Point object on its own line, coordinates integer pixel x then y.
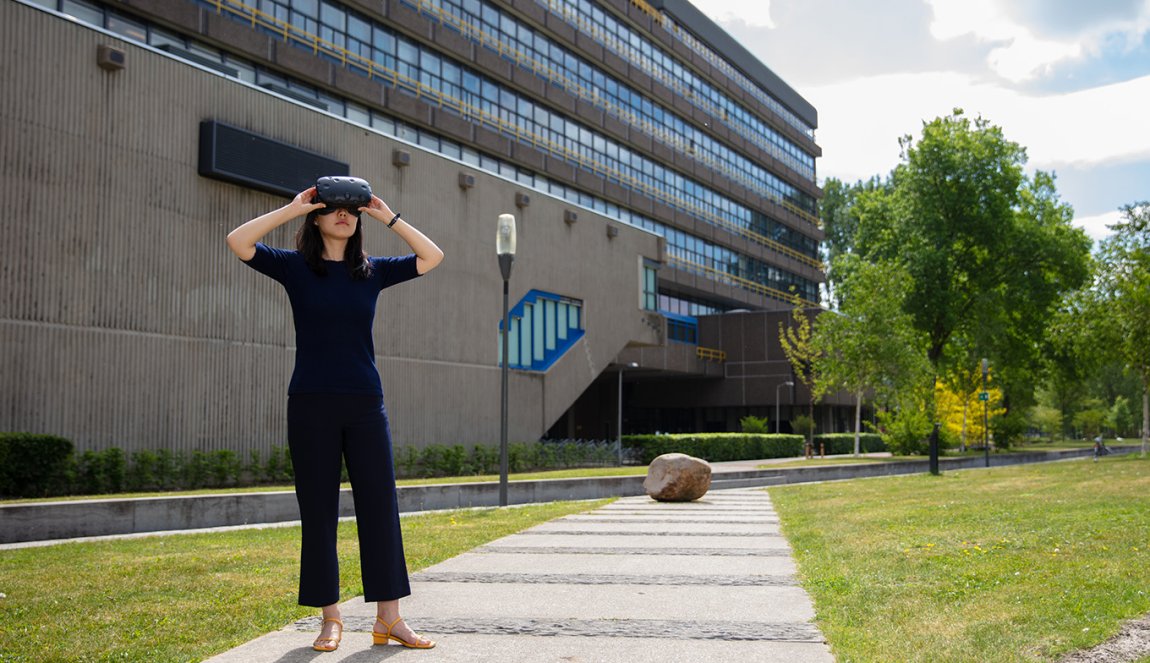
{"type": "Point", "coordinates": [378, 209]}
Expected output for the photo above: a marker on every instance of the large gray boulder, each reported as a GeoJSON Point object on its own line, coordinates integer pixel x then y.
{"type": "Point", "coordinates": [677, 478]}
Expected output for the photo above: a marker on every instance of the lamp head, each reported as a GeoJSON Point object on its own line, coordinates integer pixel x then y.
{"type": "Point", "coordinates": [505, 237]}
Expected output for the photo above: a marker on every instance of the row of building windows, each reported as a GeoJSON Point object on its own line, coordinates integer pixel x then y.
{"type": "Point", "coordinates": [488, 25]}
{"type": "Point", "coordinates": [682, 329]}
{"type": "Point", "coordinates": [425, 72]}
{"type": "Point", "coordinates": [633, 47]}
{"type": "Point", "coordinates": [723, 260]}
{"type": "Point", "coordinates": [687, 306]}
{"type": "Point", "coordinates": [143, 32]}
{"type": "Point", "coordinates": [721, 63]}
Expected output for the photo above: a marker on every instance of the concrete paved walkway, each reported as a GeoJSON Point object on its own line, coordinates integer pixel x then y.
{"type": "Point", "coordinates": [634, 581]}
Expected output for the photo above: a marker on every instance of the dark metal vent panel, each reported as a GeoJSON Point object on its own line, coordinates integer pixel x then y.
{"type": "Point", "coordinates": [247, 159]}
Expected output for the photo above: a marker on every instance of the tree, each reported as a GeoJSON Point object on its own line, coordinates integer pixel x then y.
{"type": "Point", "coordinates": [961, 412]}
{"type": "Point", "coordinates": [840, 225]}
{"type": "Point", "coordinates": [1120, 418]}
{"type": "Point", "coordinates": [1090, 421]}
{"type": "Point", "coordinates": [800, 351]}
{"type": "Point", "coordinates": [1047, 420]}
{"type": "Point", "coordinates": [1124, 289]}
{"type": "Point", "coordinates": [870, 342]}
{"type": "Point", "coordinates": [989, 251]}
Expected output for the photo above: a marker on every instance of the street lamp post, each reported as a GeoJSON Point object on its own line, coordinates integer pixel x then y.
{"type": "Point", "coordinates": [985, 396]}
{"type": "Point", "coordinates": [788, 383]}
{"type": "Point", "coordinates": [505, 249]}
{"type": "Point", "coordinates": [619, 413]}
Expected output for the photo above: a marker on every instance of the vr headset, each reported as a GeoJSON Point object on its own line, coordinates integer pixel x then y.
{"type": "Point", "coordinates": [349, 193]}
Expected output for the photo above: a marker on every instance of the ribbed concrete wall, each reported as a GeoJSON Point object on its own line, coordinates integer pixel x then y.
{"type": "Point", "coordinates": [125, 321]}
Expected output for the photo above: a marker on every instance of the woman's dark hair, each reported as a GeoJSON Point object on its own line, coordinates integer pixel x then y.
{"type": "Point", "coordinates": [309, 242]}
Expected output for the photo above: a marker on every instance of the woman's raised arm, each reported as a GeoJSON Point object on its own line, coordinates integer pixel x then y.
{"type": "Point", "coordinates": [242, 240]}
{"type": "Point", "coordinates": [427, 254]}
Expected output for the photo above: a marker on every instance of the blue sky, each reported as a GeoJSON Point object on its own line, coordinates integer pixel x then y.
{"type": "Point", "coordinates": [1067, 79]}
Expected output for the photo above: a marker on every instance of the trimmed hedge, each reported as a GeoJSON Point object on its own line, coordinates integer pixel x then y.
{"type": "Point", "coordinates": [844, 443]}
{"type": "Point", "coordinates": [47, 465]}
{"type": "Point", "coordinates": [715, 446]}
{"type": "Point", "coordinates": [436, 460]}
{"type": "Point", "coordinates": [34, 465]}
{"type": "Point", "coordinates": [718, 447]}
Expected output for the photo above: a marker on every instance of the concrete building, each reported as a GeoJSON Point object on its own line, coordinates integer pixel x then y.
{"type": "Point", "coordinates": [661, 178]}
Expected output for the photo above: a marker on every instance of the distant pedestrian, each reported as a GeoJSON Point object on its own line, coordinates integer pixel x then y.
{"type": "Point", "coordinates": [1099, 448]}
{"type": "Point", "coordinates": [335, 398]}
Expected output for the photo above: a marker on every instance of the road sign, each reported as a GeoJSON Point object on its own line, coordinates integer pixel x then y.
{"type": "Point", "coordinates": [984, 396]}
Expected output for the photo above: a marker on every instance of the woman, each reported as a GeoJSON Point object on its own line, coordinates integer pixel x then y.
{"type": "Point", "coordinates": [335, 399]}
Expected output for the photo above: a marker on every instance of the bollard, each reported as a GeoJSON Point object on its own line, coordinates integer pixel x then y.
{"type": "Point", "coordinates": [934, 450]}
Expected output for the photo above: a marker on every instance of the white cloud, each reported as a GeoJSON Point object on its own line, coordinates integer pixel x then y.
{"type": "Point", "coordinates": [981, 18]}
{"type": "Point", "coordinates": [752, 13]}
{"type": "Point", "coordinates": [1027, 57]}
{"type": "Point", "coordinates": [862, 119]}
{"type": "Point", "coordinates": [1097, 226]}
{"type": "Point", "coordinates": [1021, 57]}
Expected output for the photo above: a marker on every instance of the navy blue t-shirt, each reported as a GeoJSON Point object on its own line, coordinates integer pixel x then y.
{"type": "Point", "coordinates": [333, 319]}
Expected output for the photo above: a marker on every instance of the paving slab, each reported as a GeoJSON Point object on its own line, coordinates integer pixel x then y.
{"type": "Point", "coordinates": [295, 647]}
{"type": "Point", "coordinates": [635, 581]}
{"type": "Point", "coordinates": [607, 528]}
{"type": "Point", "coordinates": [462, 601]}
{"type": "Point", "coordinates": [653, 565]}
{"type": "Point", "coordinates": [639, 541]}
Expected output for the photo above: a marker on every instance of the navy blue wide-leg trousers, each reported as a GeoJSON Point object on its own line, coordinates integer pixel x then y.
{"type": "Point", "coordinates": [322, 429]}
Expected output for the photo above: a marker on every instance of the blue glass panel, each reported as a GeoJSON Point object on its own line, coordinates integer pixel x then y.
{"type": "Point", "coordinates": [537, 337]}
{"type": "Point", "coordinates": [513, 343]}
{"type": "Point", "coordinates": [525, 336]}
{"type": "Point", "coordinates": [549, 324]}
{"type": "Point", "coordinates": [562, 314]}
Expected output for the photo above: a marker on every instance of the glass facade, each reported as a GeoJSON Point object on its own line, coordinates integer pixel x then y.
{"type": "Point", "coordinates": [485, 23]}
{"type": "Point", "coordinates": [682, 329]}
{"type": "Point", "coordinates": [687, 306]}
{"type": "Point", "coordinates": [437, 79]}
{"type": "Point", "coordinates": [747, 84]}
{"type": "Point", "coordinates": [638, 50]}
{"type": "Point", "coordinates": [419, 69]}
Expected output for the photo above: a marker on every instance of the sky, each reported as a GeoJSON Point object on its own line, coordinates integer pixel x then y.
{"type": "Point", "coordinates": [1069, 80]}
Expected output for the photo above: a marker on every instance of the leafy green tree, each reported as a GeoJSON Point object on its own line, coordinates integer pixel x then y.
{"type": "Point", "coordinates": [1124, 288]}
{"type": "Point", "coordinates": [1120, 419]}
{"type": "Point", "coordinates": [870, 343]}
{"type": "Point", "coordinates": [796, 340]}
{"type": "Point", "coordinates": [840, 225]}
{"type": "Point", "coordinates": [1048, 420]}
{"type": "Point", "coordinates": [1074, 353]}
{"type": "Point", "coordinates": [1091, 420]}
{"type": "Point", "coordinates": [989, 251]}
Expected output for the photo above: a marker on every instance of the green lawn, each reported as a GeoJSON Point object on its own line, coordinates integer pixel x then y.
{"type": "Point", "coordinates": [187, 597]}
{"type": "Point", "coordinates": [1022, 563]}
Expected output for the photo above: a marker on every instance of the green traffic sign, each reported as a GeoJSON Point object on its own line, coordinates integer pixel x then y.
{"type": "Point", "coordinates": [983, 396]}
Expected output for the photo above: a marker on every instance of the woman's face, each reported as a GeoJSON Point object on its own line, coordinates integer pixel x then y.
{"type": "Point", "coordinates": [339, 224]}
